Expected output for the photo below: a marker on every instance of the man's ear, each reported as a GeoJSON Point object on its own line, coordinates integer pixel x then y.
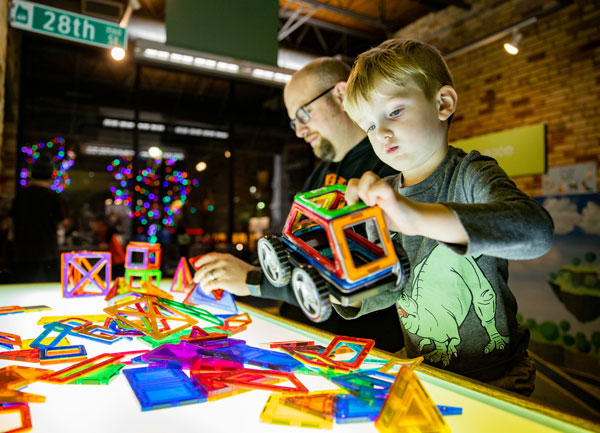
{"type": "Point", "coordinates": [446, 100]}
{"type": "Point", "coordinates": [339, 92]}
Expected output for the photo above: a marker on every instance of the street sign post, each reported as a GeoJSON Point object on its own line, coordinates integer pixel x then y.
{"type": "Point", "coordinates": [66, 25]}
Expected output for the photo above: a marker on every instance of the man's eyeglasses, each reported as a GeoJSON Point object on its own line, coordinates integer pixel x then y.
{"type": "Point", "coordinates": [302, 115]}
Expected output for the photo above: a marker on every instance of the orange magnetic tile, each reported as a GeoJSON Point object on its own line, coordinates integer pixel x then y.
{"type": "Point", "coordinates": [292, 343]}
{"type": "Point", "coordinates": [199, 334]}
{"type": "Point", "coordinates": [276, 412]}
{"type": "Point", "coordinates": [82, 368]}
{"type": "Point", "coordinates": [366, 344]}
{"type": "Point", "coordinates": [144, 314]}
{"type": "Point", "coordinates": [28, 355]}
{"type": "Point", "coordinates": [12, 396]}
{"type": "Point", "coordinates": [319, 403]}
{"type": "Point", "coordinates": [246, 378]}
{"type": "Point", "coordinates": [23, 410]}
{"type": "Point", "coordinates": [16, 376]}
{"type": "Point", "coordinates": [10, 309]}
{"type": "Point", "coordinates": [101, 336]}
{"type": "Point", "coordinates": [11, 339]}
{"type": "Point", "coordinates": [313, 358]}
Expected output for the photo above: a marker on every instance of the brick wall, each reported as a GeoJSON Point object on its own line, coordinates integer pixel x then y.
{"type": "Point", "coordinates": [555, 79]}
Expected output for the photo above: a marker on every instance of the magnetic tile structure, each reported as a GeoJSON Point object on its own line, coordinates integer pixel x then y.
{"type": "Point", "coordinates": [142, 256]}
{"type": "Point", "coordinates": [27, 355]}
{"type": "Point", "coordinates": [182, 280]}
{"type": "Point", "coordinates": [276, 412]}
{"type": "Point", "coordinates": [56, 355]}
{"type": "Point", "coordinates": [197, 296]}
{"type": "Point", "coordinates": [158, 388]}
{"type": "Point", "coordinates": [408, 408]}
{"type": "Point", "coordinates": [152, 317]}
{"type": "Point", "coordinates": [85, 273]}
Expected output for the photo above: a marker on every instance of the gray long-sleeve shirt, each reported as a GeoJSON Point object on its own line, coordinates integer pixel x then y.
{"type": "Point", "coordinates": [456, 308]}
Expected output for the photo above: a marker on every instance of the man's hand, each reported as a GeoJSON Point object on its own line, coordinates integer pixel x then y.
{"type": "Point", "coordinates": [222, 271]}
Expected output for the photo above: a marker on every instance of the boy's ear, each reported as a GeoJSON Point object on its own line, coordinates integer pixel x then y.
{"type": "Point", "coordinates": [339, 92]}
{"type": "Point", "coordinates": [446, 99]}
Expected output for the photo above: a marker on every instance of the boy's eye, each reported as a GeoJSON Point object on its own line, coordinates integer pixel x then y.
{"type": "Point", "coordinates": [396, 112]}
{"type": "Point", "coordinates": [370, 128]}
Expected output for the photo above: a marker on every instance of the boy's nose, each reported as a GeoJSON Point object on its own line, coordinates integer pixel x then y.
{"type": "Point", "coordinates": [384, 134]}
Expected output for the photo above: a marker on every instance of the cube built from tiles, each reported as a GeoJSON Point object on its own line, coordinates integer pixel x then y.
{"type": "Point", "coordinates": [85, 273]}
{"type": "Point", "coordinates": [142, 256]}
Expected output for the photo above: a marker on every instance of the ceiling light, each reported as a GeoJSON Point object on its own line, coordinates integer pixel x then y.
{"type": "Point", "coordinates": [155, 152]}
{"type": "Point", "coordinates": [117, 53]}
{"type": "Point", "coordinates": [512, 47]}
{"type": "Point", "coordinates": [227, 66]}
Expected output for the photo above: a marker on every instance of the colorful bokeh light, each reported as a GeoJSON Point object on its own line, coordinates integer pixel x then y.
{"type": "Point", "coordinates": [63, 161]}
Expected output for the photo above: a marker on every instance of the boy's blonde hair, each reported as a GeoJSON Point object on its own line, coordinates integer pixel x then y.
{"type": "Point", "coordinates": [399, 62]}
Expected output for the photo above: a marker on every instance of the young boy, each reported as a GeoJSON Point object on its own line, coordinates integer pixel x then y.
{"type": "Point", "coordinates": [458, 216]}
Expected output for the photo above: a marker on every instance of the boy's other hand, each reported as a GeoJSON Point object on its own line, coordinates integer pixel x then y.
{"type": "Point", "coordinates": [222, 271]}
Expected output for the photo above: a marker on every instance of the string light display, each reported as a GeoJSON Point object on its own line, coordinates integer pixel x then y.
{"type": "Point", "coordinates": [63, 160]}
{"type": "Point", "coordinates": [161, 191]}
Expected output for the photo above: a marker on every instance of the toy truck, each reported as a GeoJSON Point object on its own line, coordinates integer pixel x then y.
{"type": "Point", "coordinates": [325, 251]}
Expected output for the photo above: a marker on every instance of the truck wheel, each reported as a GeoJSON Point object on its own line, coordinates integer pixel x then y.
{"type": "Point", "coordinates": [312, 293]}
{"type": "Point", "coordinates": [274, 260]}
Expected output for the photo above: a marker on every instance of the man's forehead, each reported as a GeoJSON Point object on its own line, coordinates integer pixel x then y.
{"type": "Point", "coordinates": [297, 92]}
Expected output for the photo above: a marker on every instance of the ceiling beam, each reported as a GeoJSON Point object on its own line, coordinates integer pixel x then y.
{"type": "Point", "coordinates": [373, 22]}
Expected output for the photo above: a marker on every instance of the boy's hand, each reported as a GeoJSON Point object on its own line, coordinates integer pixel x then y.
{"type": "Point", "coordinates": [432, 220]}
{"type": "Point", "coordinates": [222, 271]}
{"type": "Point", "coordinates": [400, 213]}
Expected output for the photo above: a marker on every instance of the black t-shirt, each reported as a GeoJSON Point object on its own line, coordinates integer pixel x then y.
{"type": "Point", "coordinates": [36, 214]}
{"type": "Point", "coordinates": [383, 326]}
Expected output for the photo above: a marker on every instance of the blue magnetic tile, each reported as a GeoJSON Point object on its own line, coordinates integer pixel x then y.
{"type": "Point", "coordinates": [46, 352]}
{"type": "Point", "coordinates": [226, 303]}
{"type": "Point", "coordinates": [254, 356]}
{"type": "Point", "coordinates": [351, 409]}
{"type": "Point", "coordinates": [62, 329]}
{"type": "Point", "coordinates": [157, 388]}
{"type": "Point", "coordinates": [449, 410]}
{"type": "Point", "coordinates": [368, 384]}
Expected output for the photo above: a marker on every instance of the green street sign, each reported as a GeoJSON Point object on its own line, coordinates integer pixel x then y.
{"type": "Point", "coordinates": [66, 25]}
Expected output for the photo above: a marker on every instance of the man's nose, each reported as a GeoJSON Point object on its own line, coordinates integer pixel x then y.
{"type": "Point", "coordinates": [301, 129]}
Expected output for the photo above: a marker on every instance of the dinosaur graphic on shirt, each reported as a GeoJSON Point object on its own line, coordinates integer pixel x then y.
{"type": "Point", "coordinates": [444, 287]}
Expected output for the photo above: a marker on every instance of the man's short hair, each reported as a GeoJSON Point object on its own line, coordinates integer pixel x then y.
{"type": "Point", "coordinates": [401, 63]}
{"type": "Point", "coordinates": [326, 71]}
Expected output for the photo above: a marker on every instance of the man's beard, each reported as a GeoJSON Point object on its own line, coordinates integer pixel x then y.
{"type": "Point", "coordinates": [325, 150]}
